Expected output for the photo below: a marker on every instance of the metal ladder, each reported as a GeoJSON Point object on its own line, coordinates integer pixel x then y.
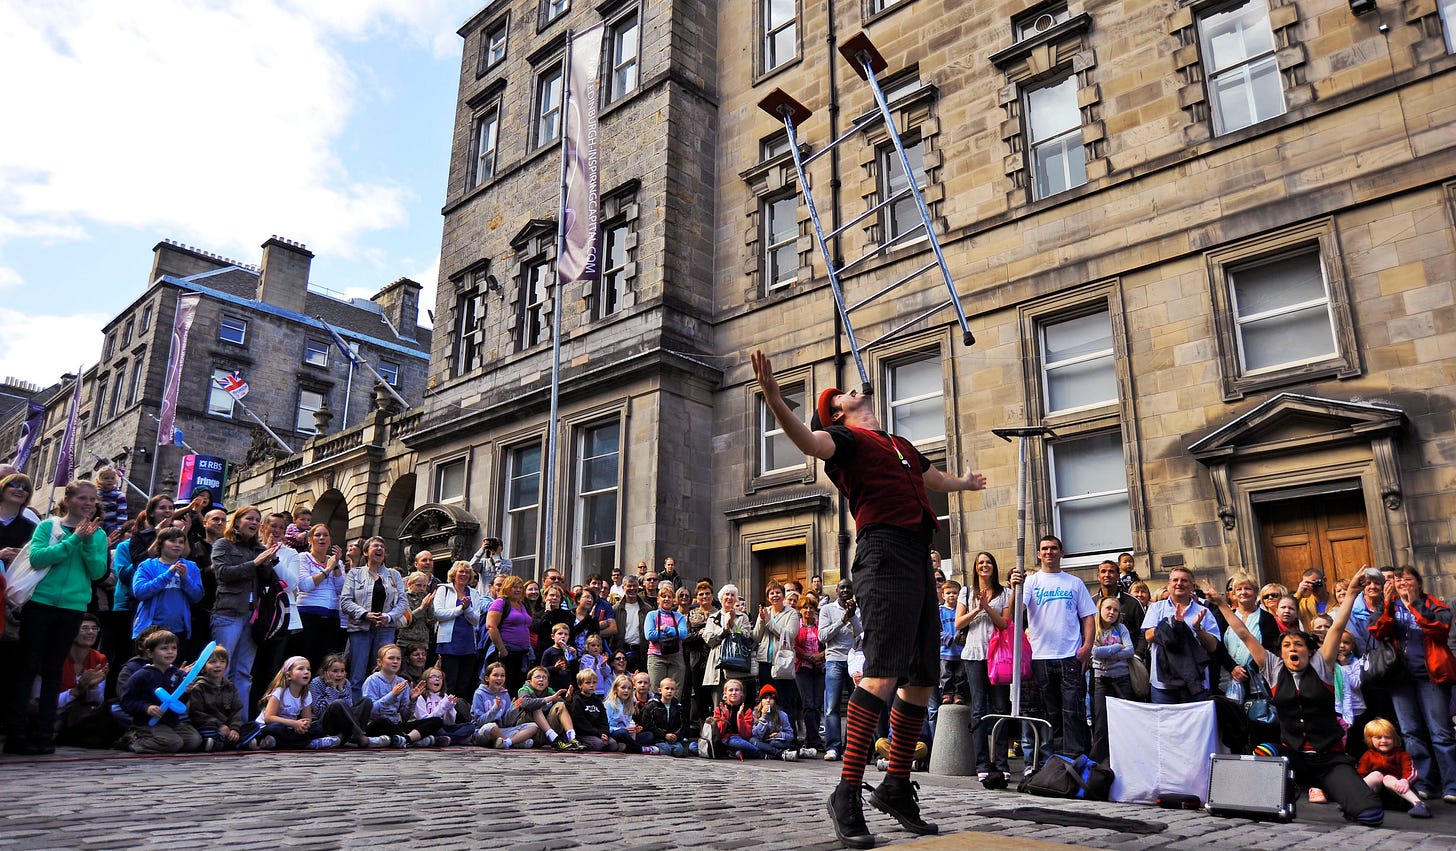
{"type": "Point", "coordinates": [867, 62]}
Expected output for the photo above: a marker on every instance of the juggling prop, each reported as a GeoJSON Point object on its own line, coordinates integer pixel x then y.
{"type": "Point", "coordinates": [173, 700]}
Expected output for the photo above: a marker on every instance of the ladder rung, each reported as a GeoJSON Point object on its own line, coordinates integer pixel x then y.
{"type": "Point", "coordinates": [903, 193]}
{"type": "Point", "coordinates": [878, 248]}
{"type": "Point", "coordinates": [853, 129]}
{"type": "Point", "coordinates": [901, 327]}
{"type": "Point", "coordinates": [922, 270]}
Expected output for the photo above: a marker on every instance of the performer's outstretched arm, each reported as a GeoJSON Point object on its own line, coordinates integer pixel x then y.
{"type": "Point", "coordinates": [937, 480]}
{"type": "Point", "coordinates": [816, 443]}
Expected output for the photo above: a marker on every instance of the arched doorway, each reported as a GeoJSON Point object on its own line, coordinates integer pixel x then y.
{"type": "Point", "coordinates": [449, 533]}
{"type": "Point", "coordinates": [332, 511]}
{"type": "Point", "coordinates": [397, 506]}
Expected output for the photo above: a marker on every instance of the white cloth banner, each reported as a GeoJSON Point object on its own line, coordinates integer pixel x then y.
{"type": "Point", "coordinates": [1157, 750]}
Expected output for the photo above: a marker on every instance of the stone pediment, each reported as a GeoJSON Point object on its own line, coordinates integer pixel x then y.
{"type": "Point", "coordinates": [1290, 422]}
{"type": "Point", "coordinates": [440, 527]}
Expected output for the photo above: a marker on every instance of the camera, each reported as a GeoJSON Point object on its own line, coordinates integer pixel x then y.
{"type": "Point", "coordinates": [1317, 584]}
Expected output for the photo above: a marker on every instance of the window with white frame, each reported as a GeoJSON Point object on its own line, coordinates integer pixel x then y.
{"type": "Point", "coordinates": [485, 131]}
{"type": "Point", "coordinates": [1079, 368]}
{"type": "Point", "coordinates": [233, 330]}
{"type": "Point", "coordinates": [902, 217]}
{"type": "Point", "coordinates": [470, 329]}
{"type": "Point", "coordinates": [624, 41]}
{"type": "Point", "coordinates": [1281, 308]}
{"type": "Point", "coordinates": [1448, 23]}
{"type": "Point", "coordinates": [219, 403]}
{"type": "Point", "coordinates": [780, 240]}
{"type": "Point", "coordinates": [535, 302]}
{"type": "Point", "coordinates": [389, 372]}
{"type": "Point", "coordinates": [776, 451]}
{"type": "Point", "coordinates": [553, 9]}
{"type": "Point", "coordinates": [110, 344]}
{"type": "Point", "coordinates": [598, 466]}
{"type": "Point", "coordinates": [450, 481]}
{"type": "Point", "coordinates": [1240, 67]}
{"type": "Point", "coordinates": [126, 334]}
{"type": "Point", "coordinates": [874, 7]}
{"type": "Point", "coordinates": [315, 353]}
{"type": "Point", "coordinates": [138, 373]}
{"type": "Point", "coordinates": [521, 535]}
{"type": "Point", "coordinates": [773, 146]}
{"type": "Point", "coordinates": [915, 394]}
{"type": "Point", "coordinates": [548, 105]}
{"type": "Point", "coordinates": [1090, 508]}
{"type": "Point", "coordinates": [146, 319]}
{"type": "Point", "coordinates": [116, 398]}
{"type": "Point", "coordinates": [493, 45]}
{"type": "Point", "coordinates": [780, 32]}
{"type": "Point", "coordinates": [1055, 152]}
{"type": "Point", "coordinates": [1036, 23]}
{"type": "Point", "coordinates": [309, 402]}
{"type": "Point", "coordinates": [608, 296]}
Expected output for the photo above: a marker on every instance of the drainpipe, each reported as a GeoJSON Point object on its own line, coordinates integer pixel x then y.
{"type": "Point", "coordinates": [831, 39]}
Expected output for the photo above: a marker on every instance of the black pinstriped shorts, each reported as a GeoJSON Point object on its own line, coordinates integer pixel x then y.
{"type": "Point", "coordinates": [895, 590]}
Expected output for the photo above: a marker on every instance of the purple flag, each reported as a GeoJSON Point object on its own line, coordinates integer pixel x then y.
{"type": "Point", "coordinates": [29, 431]}
{"type": "Point", "coordinates": [186, 312]}
{"type": "Point", "coordinates": [580, 254]}
{"type": "Point", "coordinates": [66, 458]}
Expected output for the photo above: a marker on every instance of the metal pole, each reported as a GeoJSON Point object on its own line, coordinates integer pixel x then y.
{"type": "Point", "coordinates": [259, 421]}
{"type": "Point", "coordinates": [548, 514]}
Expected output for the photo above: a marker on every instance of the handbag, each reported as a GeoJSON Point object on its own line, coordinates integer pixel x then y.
{"type": "Point", "coordinates": [735, 653]}
{"type": "Point", "coordinates": [1000, 656]}
{"type": "Point", "coordinates": [782, 659]}
{"type": "Point", "coordinates": [21, 577]}
{"type": "Point", "coordinates": [1260, 706]}
{"type": "Point", "coordinates": [1383, 665]}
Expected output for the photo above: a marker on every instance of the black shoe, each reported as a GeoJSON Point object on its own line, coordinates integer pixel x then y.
{"type": "Point", "coordinates": [898, 797]}
{"type": "Point", "coordinates": [20, 747]}
{"type": "Point", "coordinates": [846, 813]}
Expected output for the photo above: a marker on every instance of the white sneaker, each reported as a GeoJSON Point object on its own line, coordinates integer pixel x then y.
{"type": "Point", "coordinates": [378, 741]}
{"type": "Point", "coordinates": [267, 743]}
{"type": "Point", "coordinates": [789, 755]}
{"type": "Point", "coordinates": [831, 755]}
{"type": "Point", "coordinates": [323, 743]}
{"type": "Point", "coordinates": [808, 753]}
{"type": "Point", "coordinates": [882, 764]}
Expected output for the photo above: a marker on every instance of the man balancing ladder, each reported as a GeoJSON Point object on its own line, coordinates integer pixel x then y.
{"type": "Point", "coordinates": [885, 479]}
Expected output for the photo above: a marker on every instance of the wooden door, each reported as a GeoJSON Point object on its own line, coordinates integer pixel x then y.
{"type": "Point", "coordinates": [1328, 532]}
{"type": "Point", "coordinates": [781, 563]}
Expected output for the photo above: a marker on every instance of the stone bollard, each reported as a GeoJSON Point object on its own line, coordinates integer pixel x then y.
{"type": "Point", "coordinates": [953, 754]}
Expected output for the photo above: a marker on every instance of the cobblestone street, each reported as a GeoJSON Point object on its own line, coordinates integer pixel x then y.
{"type": "Point", "coordinates": [473, 798]}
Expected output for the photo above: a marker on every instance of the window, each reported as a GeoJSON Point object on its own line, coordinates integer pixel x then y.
{"type": "Point", "coordinates": [389, 372]}
{"type": "Point", "coordinates": [469, 331]}
{"type": "Point", "coordinates": [450, 481]}
{"type": "Point", "coordinates": [1447, 9]}
{"type": "Point", "coordinates": [1090, 508]}
{"type": "Point", "coordinates": [1243, 81]}
{"type": "Point", "coordinates": [775, 450]}
{"type": "Point", "coordinates": [523, 507]}
{"type": "Point", "coordinates": [780, 240]}
{"type": "Point", "coordinates": [146, 319]}
{"type": "Point", "coordinates": [903, 216]}
{"type": "Point", "coordinates": [126, 333]}
{"type": "Point", "coordinates": [219, 403]}
{"type": "Point", "coordinates": [309, 401]}
{"type": "Point", "coordinates": [598, 453]}
{"type": "Point", "coordinates": [100, 410]}
{"type": "Point", "coordinates": [1079, 369]}
{"type": "Point", "coordinates": [1282, 312]}
{"type": "Point", "coordinates": [916, 394]}
{"type": "Point", "coordinates": [553, 9]}
{"type": "Point", "coordinates": [232, 330]}
{"type": "Point", "coordinates": [608, 298]}
{"type": "Point", "coordinates": [535, 303]}
{"type": "Point", "coordinates": [315, 353]}
{"type": "Point", "coordinates": [493, 45]}
{"type": "Point", "coordinates": [1058, 161]}
{"type": "Point", "coordinates": [116, 397]}
{"type": "Point", "coordinates": [780, 32]}
{"type": "Point", "coordinates": [484, 135]}
{"type": "Point", "coordinates": [110, 344]}
{"type": "Point", "coordinates": [877, 6]}
{"type": "Point", "coordinates": [548, 106]}
{"type": "Point", "coordinates": [137, 374]}
{"type": "Point", "coordinates": [624, 44]}
{"type": "Point", "coordinates": [1039, 22]}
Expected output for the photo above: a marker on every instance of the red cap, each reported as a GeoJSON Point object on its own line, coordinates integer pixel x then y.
{"type": "Point", "coordinates": [766, 691]}
{"type": "Point", "coordinates": [822, 410]}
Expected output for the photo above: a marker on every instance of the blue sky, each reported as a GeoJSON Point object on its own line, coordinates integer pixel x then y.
{"type": "Point", "coordinates": [214, 124]}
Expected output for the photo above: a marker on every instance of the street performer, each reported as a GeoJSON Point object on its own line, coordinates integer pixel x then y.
{"type": "Point", "coordinates": [885, 479]}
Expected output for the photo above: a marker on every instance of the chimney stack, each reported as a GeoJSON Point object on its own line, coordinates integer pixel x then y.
{"type": "Point", "coordinates": [400, 302]}
{"type": "Point", "coordinates": [284, 280]}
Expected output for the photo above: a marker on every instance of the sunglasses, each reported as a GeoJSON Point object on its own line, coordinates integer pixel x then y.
{"type": "Point", "coordinates": [19, 486]}
{"type": "Point", "coordinates": [1270, 597]}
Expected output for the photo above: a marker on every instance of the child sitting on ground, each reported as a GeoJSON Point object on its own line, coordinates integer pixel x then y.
{"type": "Point", "coordinates": [733, 719]}
{"type": "Point", "coordinates": [172, 733]}
{"type": "Point", "coordinates": [497, 721]}
{"type": "Point", "coordinates": [435, 702]}
{"type": "Point", "coordinates": [392, 696]}
{"type": "Point", "coordinates": [590, 715]}
{"type": "Point", "coordinates": [1386, 765]}
{"type": "Point", "coordinates": [216, 709]}
{"type": "Point", "coordinates": [667, 721]}
{"type": "Point", "coordinates": [560, 659]}
{"type": "Point", "coordinates": [547, 707]}
{"type": "Point", "coordinates": [334, 706]}
{"type": "Point", "coordinates": [773, 735]}
{"type": "Point", "coordinates": [621, 726]}
{"type": "Point", "coordinates": [287, 715]}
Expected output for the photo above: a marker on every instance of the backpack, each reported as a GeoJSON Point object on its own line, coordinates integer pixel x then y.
{"type": "Point", "coordinates": [708, 740]}
{"type": "Point", "coordinates": [1065, 777]}
{"type": "Point", "coordinates": [274, 612]}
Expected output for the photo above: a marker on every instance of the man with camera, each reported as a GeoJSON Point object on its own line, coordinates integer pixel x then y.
{"type": "Point", "coordinates": [839, 626]}
{"type": "Point", "coordinates": [1313, 597]}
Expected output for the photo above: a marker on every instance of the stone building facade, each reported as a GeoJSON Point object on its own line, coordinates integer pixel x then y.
{"type": "Point", "coordinates": [1208, 245]}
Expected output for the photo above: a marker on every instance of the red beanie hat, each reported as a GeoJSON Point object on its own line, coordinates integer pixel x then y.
{"type": "Point", "coordinates": [822, 409]}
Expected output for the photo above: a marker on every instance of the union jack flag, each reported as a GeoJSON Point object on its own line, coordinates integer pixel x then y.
{"type": "Point", "coordinates": [233, 385]}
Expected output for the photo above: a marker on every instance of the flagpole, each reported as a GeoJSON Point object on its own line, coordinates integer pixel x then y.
{"type": "Point", "coordinates": [354, 357]}
{"type": "Point", "coordinates": [549, 548]}
{"type": "Point", "coordinates": [181, 443]}
{"type": "Point", "coordinates": [259, 421]}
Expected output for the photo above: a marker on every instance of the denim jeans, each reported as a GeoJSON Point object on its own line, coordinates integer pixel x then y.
{"type": "Point", "coordinates": [234, 634]}
{"type": "Point", "coordinates": [985, 700]}
{"type": "Point", "coordinates": [738, 744]}
{"type": "Point", "coordinates": [836, 676]}
{"type": "Point", "coordinates": [1421, 708]}
{"type": "Point", "coordinates": [811, 697]}
{"type": "Point", "coordinates": [363, 647]}
{"type": "Point", "coordinates": [1064, 694]}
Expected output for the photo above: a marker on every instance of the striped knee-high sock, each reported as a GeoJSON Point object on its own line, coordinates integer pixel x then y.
{"type": "Point", "coordinates": [906, 721]}
{"type": "Point", "coordinates": [861, 718]}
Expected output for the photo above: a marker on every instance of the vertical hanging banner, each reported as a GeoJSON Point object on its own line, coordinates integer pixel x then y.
{"type": "Point", "coordinates": [29, 431]}
{"type": "Point", "coordinates": [66, 458]}
{"type": "Point", "coordinates": [186, 312]}
{"type": "Point", "coordinates": [579, 257]}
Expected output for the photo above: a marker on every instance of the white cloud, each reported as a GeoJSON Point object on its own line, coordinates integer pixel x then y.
{"type": "Point", "coordinates": [214, 122]}
{"type": "Point", "coordinates": [39, 348]}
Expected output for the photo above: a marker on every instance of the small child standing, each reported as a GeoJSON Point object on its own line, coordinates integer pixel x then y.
{"type": "Point", "coordinates": [547, 707]}
{"type": "Point", "coordinates": [216, 709]}
{"type": "Point", "coordinates": [392, 696]}
{"type": "Point", "coordinates": [598, 662]}
{"type": "Point", "coordinates": [1386, 765]}
{"type": "Point", "coordinates": [773, 735]}
{"type": "Point", "coordinates": [287, 711]}
{"type": "Point", "coordinates": [172, 733]}
{"type": "Point", "coordinates": [590, 715]}
{"type": "Point", "coordinates": [435, 702]}
{"type": "Point", "coordinates": [560, 659]}
{"type": "Point", "coordinates": [954, 687]}
{"type": "Point", "coordinates": [334, 705]}
{"type": "Point", "coordinates": [667, 721]}
{"type": "Point", "coordinates": [1112, 650]}
{"type": "Point", "coordinates": [497, 721]}
{"type": "Point", "coordinates": [112, 499]}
